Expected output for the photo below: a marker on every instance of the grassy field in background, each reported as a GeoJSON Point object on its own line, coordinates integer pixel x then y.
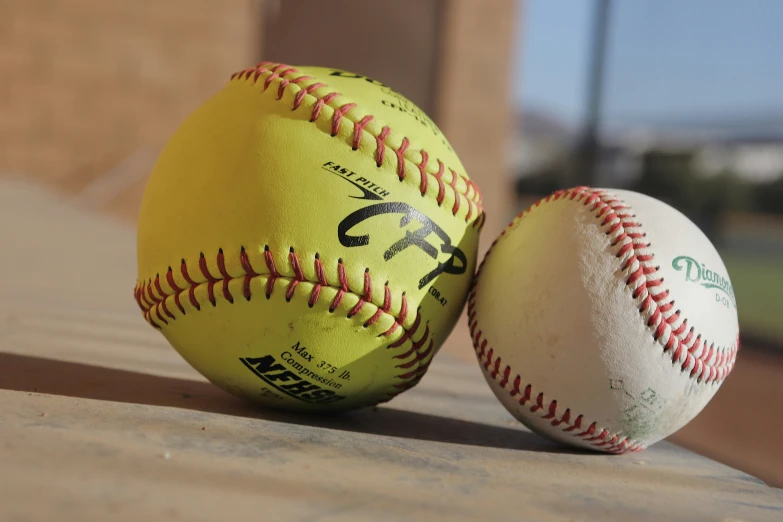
{"type": "Point", "coordinates": [758, 285]}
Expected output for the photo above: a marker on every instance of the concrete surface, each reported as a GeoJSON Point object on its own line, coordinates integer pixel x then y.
{"type": "Point", "coordinates": [100, 419]}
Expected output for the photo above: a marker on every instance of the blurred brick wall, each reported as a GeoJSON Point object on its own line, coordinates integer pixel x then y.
{"type": "Point", "coordinates": [375, 46]}
{"type": "Point", "coordinates": [88, 83]}
{"type": "Point", "coordinates": [475, 111]}
{"type": "Point", "coordinates": [91, 89]}
{"type": "Point", "coordinates": [474, 105]}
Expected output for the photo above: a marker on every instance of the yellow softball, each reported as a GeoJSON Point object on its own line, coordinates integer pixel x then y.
{"type": "Point", "coordinates": [307, 239]}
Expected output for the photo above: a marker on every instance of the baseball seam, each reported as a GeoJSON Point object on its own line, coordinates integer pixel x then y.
{"type": "Point", "coordinates": [159, 306]}
{"type": "Point", "coordinates": [707, 364]}
{"type": "Point", "coordinates": [290, 76]}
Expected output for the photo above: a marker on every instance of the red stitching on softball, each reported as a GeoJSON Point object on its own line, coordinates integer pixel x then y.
{"type": "Point", "coordinates": [420, 356]}
{"type": "Point", "coordinates": [273, 273]}
{"type": "Point", "coordinates": [163, 297]}
{"type": "Point", "coordinates": [470, 211]}
{"type": "Point", "coordinates": [148, 294]}
{"type": "Point", "coordinates": [423, 183]}
{"type": "Point", "coordinates": [441, 185]}
{"type": "Point", "coordinates": [384, 308]}
{"type": "Point", "coordinates": [298, 275]}
{"type": "Point", "coordinates": [415, 377]}
{"type": "Point", "coordinates": [453, 186]}
{"type": "Point", "coordinates": [358, 131]}
{"type": "Point", "coordinates": [304, 92]}
{"type": "Point", "coordinates": [202, 264]}
{"type": "Point", "coordinates": [380, 145]}
{"type": "Point", "coordinates": [415, 360]}
{"type": "Point", "coordinates": [269, 80]}
{"type": "Point", "coordinates": [706, 364]}
{"type": "Point", "coordinates": [156, 302]}
{"type": "Point", "coordinates": [249, 273]}
{"type": "Point", "coordinates": [400, 153]}
{"type": "Point", "coordinates": [320, 103]}
{"type": "Point", "coordinates": [226, 278]}
{"type": "Point", "coordinates": [408, 333]}
{"type": "Point", "coordinates": [400, 318]}
{"type": "Point", "coordinates": [342, 289]}
{"type": "Point", "coordinates": [416, 345]}
{"type": "Point", "coordinates": [319, 273]}
{"type": "Point", "coordinates": [157, 285]}
{"type": "Point", "coordinates": [337, 117]}
{"type": "Point", "coordinates": [281, 88]}
{"type": "Point", "coordinates": [366, 296]}
{"type": "Point", "coordinates": [277, 72]}
{"type": "Point", "coordinates": [192, 289]}
{"type": "Point", "coordinates": [177, 290]}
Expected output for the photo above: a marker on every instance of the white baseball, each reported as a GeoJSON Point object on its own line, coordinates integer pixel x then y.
{"type": "Point", "coordinates": [604, 319]}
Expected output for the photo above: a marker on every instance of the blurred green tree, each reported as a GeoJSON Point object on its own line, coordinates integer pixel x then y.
{"type": "Point", "coordinates": [669, 176]}
{"type": "Point", "coordinates": [768, 197]}
{"type": "Point", "coordinates": [672, 176]}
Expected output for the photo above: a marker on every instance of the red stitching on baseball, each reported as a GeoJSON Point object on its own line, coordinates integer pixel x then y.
{"type": "Point", "coordinates": [552, 409]}
{"type": "Point", "coordinates": [706, 364]}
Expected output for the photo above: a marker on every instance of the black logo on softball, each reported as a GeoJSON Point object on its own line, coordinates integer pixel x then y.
{"type": "Point", "coordinates": [286, 381]}
{"type": "Point", "coordinates": [370, 191]}
{"type": "Point", "coordinates": [456, 263]}
{"type": "Point", "coordinates": [346, 74]}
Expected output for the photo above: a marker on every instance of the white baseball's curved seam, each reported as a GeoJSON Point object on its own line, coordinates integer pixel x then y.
{"type": "Point", "coordinates": [659, 318]}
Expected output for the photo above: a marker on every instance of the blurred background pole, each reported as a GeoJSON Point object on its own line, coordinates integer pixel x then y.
{"type": "Point", "coordinates": [588, 153]}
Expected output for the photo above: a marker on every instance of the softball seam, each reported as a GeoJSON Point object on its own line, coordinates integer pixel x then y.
{"type": "Point", "coordinates": [155, 302]}
{"type": "Point", "coordinates": [707, 364]}
{"type": "Point", "coordinates": [471, 192]}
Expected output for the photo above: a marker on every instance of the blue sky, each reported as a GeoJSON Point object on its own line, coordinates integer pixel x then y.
{"type": "Point", "coordinates": [667, 59]}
